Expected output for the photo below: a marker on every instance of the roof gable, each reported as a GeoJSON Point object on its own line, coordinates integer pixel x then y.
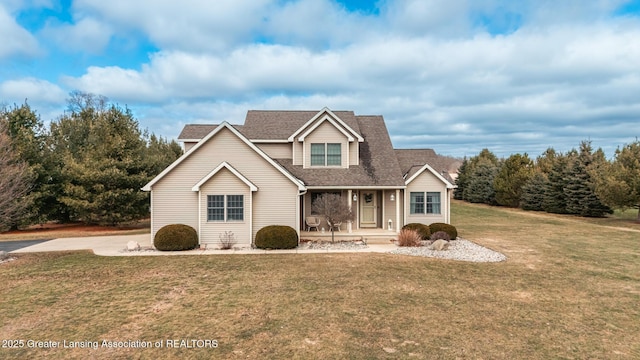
{"type": "Point", "coordinates": [426, 167]}
{"type": "Point", "coordinates": [333, 119]}
{"type": "Point", "coordinates": [224, 125]}
{"type": "Point", "coordinates": [224, 165]}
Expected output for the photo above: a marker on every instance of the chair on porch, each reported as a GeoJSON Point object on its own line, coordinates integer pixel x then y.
{"type": "Point", "coordinates": [335, 225]}
{"type": "Point", "coordinates": [312, 222]}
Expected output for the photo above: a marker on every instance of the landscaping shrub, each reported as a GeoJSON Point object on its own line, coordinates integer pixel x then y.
{"type": "Point", "coordinates": [422, 229]}
{"type": "Point", "coordinates": [440, 235]}
{"type": "Point", "coordinates": [176, 237]}
{"type": "Point", "coordinates": [408, 237]}
{"type": "Point", "coordinates": [276, 237]}
{"type": "Point", "coordinates": [449, 229]}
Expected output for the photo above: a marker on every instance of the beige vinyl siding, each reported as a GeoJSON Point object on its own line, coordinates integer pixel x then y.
{"type": "Point", "coordinates": [298, 156]}
{"type": "Point", "coordinates": [326, 133]}
{"type": "Point", "coordinates": [225, 183]}
{"type": "Point", "coordinates": [389, 208]}
{"type": "Point", "coordinates": [174, 201]}
{"type": "Point", "coordinates": [426, 182]}
{"type": "Point", "coordinates": [276, 151]}
{"type": "Point", "coordinates": [354, 153]}
{"type": "Point", "coordinates": [189, 145]}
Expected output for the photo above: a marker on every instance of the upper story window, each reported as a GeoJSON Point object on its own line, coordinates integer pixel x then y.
{"type": "Point", "coordinates": [326, 154]}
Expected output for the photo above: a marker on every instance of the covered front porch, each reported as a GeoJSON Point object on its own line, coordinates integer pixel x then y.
{"type": "Point", "coordinates": [377, 211]}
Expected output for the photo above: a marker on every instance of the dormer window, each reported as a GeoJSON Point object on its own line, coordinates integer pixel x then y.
{"type": "Point", "coordinates": [327, 154]}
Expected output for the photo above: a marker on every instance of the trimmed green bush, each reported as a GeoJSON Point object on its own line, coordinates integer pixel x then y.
{"type": "Point", "coordinates": [422, 229]}
{"type": "Point", "coordinates": [176, 237]}
{"type": "Point", "coordinates": [276, 237]}
{"type": "Point", "coordinates": [440, 235]}
{"type": "Point", "coordinates": [449, 229]}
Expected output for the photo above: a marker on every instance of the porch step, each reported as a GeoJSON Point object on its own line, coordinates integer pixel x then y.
{"type": "Point", "coordinates": [368, 238]}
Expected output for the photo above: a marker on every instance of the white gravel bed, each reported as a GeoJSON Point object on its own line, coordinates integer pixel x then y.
{"type": "Point", "coordinates": [328, 245]}
{"type": "Point", "coordinates": [459, 249]}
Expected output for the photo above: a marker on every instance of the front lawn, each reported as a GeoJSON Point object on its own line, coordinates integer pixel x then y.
{"type": "Point", "coordinates": [570, 289]}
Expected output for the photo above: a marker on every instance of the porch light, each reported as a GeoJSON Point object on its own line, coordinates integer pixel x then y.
{"type": "Point", "coordinates": [392, 197]}
{"type": "Point", "coordinates": [355, 197]}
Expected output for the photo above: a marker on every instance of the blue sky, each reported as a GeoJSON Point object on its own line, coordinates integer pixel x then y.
{"type": "Point", "coordinates": [455, 75]}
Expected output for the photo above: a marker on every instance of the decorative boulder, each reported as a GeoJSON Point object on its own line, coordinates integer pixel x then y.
{"type": "Point", "coordinates": [439, 245]}
{"type": "Point", "coordinates": [3, 255]}
{"type": "Point", "coordinates": [133, 246]}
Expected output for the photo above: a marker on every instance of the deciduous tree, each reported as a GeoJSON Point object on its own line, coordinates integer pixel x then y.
{"type": "Point", "coordinates": [15, 181]}
{"type": "Point", "coordinates": [334, 208]}
{"type": "Point", "coordinates": [618, 183]}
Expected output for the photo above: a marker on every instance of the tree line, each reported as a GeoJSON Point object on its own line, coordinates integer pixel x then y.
{"type": "Point", "coordinates": [581, 182]}
{"type": "Point", "coordinates": [86, 166]}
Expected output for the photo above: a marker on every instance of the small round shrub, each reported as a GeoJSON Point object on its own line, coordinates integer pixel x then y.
{"type": "Point", "coordinates": [422, 229]}
{"type": "Point", "coordinates": [409, 237]}
{"type": "Point", "coordinates": [440, 235]}
{"type": "Point", "coordinates": [276, 237]}
{"type": "Point", "coordinates": [449, 229]}
{"type": "Point", "coordinates": [176, 237]}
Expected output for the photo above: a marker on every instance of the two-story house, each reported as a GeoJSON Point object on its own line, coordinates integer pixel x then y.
{"type": "Point", "coordinates": [269, 170]}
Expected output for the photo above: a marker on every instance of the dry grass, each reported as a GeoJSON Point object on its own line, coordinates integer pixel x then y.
{"type": "Point", "coordinates": [569, 290]}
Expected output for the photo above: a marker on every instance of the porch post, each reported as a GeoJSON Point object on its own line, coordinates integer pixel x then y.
{"type": "Point", "coordinates": [349, 224]}
{"type": "Point", "coordinates": [398, 227]}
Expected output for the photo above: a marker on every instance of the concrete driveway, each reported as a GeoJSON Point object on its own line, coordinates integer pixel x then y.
{"type": "Point", "coordinates": [116, 246]}
{"type": "Point", "coordinates": [101, 245]}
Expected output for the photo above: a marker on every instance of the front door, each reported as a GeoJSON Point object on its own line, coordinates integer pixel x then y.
{"type": "Point", "coordinates": [368, 208]}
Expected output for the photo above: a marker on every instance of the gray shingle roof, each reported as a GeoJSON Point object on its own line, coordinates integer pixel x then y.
{"type": "Point", "coordinates": [380, 164]}
{"type": "Point", "coordinates": [411, 160]}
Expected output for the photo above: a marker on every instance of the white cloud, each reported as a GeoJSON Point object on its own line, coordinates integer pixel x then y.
{"type": "Point", "coordinates": [562, 72]}
{"type": "Point", "coordinates": [183, 25]}
{"type": "Point", "coordinates": [15, 39]}
{"type": "Point", "coordinates": [32, 89]}
{"type": "Point", "coordinates": [86, 35]}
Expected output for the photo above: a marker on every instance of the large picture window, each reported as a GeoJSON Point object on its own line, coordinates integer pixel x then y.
{"type": "Point", "coordinates": [219, 210]}
{"type": "Point", "coordinates": [326, 154]}
{"type": "Point", "coordinates": [424, 203]}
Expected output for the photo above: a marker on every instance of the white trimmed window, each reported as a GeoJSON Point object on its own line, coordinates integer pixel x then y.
{"type": "Point", "coordinates": [327, 154]}
{"type": "Point", "coordinates": [220, 210]}
{"type": "Point", "coordinates": [424, 203]}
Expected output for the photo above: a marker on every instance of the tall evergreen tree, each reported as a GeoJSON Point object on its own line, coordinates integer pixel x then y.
{"type": "Point", "coordinates": [555, 198]}
{"type": "Point", "coordinates": [462, 180]}
{"type": "Point", "coordinates": [477, 178]}
{"type": "Point", "coordinates": [580, 188]}
{"type": "Point", "coordinates": [513, 174]}
{"type": "Point", "coordinates": [532, 197]}
{"type": "Point", "coordinates": [105, 159]}
{"type": "Point", "coordinates": [480, 188]}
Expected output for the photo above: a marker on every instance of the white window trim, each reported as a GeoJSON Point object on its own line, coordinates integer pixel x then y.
{"type": "Point", "coordinates": [326, 154]}
{"type": "Point", "coordinates": [226, 208]}
{"type": "Point", "coordinates": [425, 204]}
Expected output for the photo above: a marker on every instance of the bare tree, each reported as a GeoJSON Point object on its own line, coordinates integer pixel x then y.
{"type": "Point", "coordinates": [15, 182]}
{"type": "Point", "coordinates": [334, 208]}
